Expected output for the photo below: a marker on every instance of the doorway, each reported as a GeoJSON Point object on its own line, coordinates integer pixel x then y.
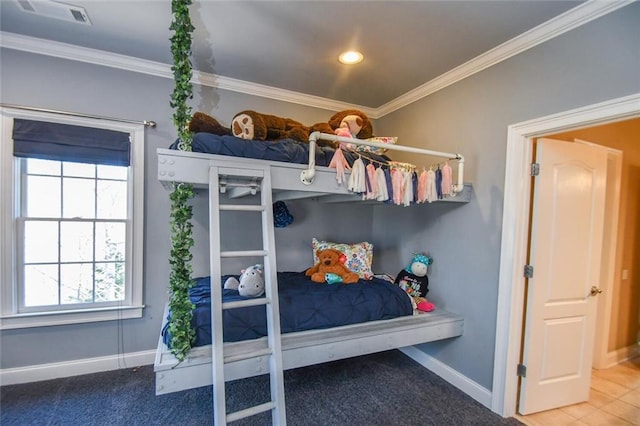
{"type": "Point", "coordinates": [515, 233]}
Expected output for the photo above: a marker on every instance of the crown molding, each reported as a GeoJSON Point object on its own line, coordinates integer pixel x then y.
{"type": "Point", "coordinates": [82, 54]}
{"type": "Point", "coordinates": [580, 15]}
{"type": "Point", "coordinates": [256, 89]}
{"type": "Point", "coordinates": [573, 18]}
{"type": "Point", "coordinates": [128, 63]}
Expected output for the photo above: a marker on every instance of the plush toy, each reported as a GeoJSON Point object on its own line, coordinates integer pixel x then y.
{"type": "Point", "coordinates": [257, 126]}
{"type": "Point", "coordinates": [251, 282]}
{"type": "Point", "coordinates": [329, 263]}
{"type": "Point", "coordinates": [201, 122]}
{"type": "Point", "coordinates": [331, 278]}
{"type": "Point", "coordinates": [357, 122]}
{"type": "Point", "coordinates": [413, 279]}
{"type": "Point", "coordinates": [345, 132]}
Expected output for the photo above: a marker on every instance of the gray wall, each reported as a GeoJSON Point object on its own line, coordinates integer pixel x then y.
{"type": "Point", "coordinates": [51, 83]}
{"type": "Point", "coordinates": [594, 63]}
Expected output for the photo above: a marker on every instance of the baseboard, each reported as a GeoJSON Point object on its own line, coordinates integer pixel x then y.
{"type": "Point", "coordinates": [466, 385]}
{"type": "Point", "coordinates": [614, 358]}
{"type": "Point", "coordinates": [36, 373]}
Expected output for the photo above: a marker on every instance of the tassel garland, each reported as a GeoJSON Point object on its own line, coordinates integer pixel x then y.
{"type": "Point", "coordinates": [397, 185]}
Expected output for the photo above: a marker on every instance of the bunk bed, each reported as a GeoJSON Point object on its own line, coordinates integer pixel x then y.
{"type": "Point", "coordinates": [299, 175]}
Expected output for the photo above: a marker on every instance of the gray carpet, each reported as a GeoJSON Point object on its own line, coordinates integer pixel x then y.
{"type": "Point", "coordinates": [387, 388]}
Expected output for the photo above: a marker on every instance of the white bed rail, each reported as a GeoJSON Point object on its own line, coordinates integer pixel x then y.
{"type": "Point", "coordinates": [307, 176]}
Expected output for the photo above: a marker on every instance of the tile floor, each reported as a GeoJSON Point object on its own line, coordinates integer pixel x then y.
{"type": "Point", "coordinates": [614, 400]}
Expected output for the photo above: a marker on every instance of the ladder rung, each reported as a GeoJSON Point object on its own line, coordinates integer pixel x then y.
{"type": "Point", "coordinates": [251, 411]}
{"type": "Point", "coordinates": [247, 355]}
{"type": "Point", "coordinates": [247, 302]}
{"type": "Point", "coordinates": [242, 208]}
{"type": "Point", "coordinates": [243, 253]}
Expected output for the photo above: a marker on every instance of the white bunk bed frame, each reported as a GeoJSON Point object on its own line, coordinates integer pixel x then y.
{"type": "Point", "coordinates": [299, 349]}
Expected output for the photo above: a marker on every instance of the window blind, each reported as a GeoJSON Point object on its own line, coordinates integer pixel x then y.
{"type": "Point", "coordinates": [64, 142]}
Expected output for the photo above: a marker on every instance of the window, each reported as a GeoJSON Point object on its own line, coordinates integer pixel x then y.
{"type": "Point", "coordinates": [71, 219]}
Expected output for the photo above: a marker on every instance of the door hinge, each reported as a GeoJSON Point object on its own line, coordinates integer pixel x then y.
{"type": "Point", "coordinates": [522, 370]}
{"type": "Point", "coordinates": [535, 169]}
{"type": "Point", "coordinates": [528, 271]}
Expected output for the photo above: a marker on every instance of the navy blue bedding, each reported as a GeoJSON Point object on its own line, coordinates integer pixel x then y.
{"type": "Point", "coordinates": [304, 305]}
{"type": "Point", "coordinates": [284, 150]}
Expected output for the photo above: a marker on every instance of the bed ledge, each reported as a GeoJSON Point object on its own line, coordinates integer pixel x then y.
{"type": "Point", "coordinates": [305, 348]}
{"type": "Point", "coordinates": [193, 167]}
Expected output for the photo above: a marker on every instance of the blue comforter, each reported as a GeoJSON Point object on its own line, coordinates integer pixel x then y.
{"type": "Point", "coordinates": [304, 305]}
{"type": "Point", "coordinates": [284, 150]}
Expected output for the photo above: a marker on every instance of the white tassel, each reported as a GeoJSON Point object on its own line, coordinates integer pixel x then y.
{"type": "Point", "coordinates": [356, 180]}
{"type": "Point", "coordinates": [383, 192]}
{"type": "Point", "coordinates": [407, 196]}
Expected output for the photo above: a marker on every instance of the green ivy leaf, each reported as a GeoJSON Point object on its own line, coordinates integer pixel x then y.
{"type": "Point", "coordinates": [180, 281]}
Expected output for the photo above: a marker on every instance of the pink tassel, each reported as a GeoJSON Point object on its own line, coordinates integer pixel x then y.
{"type": "Point", "coordinates": [372, 193]}
{"type": "Point", "coordinates": [339, 163]}
{"type": "Point", "coordinates": [422, 187]}
{"type": "Point", "coordinates": [397, 179]}
{"type": "Point", "coordinates": [407, 183]}
{"type": "Point", "coordinates": [447, 188]}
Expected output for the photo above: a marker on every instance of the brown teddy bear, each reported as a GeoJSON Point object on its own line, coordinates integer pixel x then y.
{"type": "Point", "coordinates": [350, 117]}
{"type": "Point", "coordinates": [355, 121]}
{"type": "Point", "coordinates": [329, 263]}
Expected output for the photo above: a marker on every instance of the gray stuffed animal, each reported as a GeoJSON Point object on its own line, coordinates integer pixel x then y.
{"type": "Point", "coordinates": [251, 282]}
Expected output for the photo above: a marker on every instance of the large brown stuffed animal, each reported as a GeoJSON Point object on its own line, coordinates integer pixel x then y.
{"type": "Point", "coordinates": [257, 126]}
{"type": "Point", "coordinates": [201, 122]}
{"type": "Point", "coordinates": [329, 263]}
{"type": "Point", "coordinates": [355, 121]}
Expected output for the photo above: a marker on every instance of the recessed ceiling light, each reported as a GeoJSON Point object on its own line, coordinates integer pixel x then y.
{"type": "Point", "coordinates": [350, 57]}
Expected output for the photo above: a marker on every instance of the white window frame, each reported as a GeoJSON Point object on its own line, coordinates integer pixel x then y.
{"type": "Point", "coordinates": [132, 306]}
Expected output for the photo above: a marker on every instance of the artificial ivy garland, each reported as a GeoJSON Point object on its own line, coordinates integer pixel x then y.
{"type": "Point", "coordinates": [182, 334]}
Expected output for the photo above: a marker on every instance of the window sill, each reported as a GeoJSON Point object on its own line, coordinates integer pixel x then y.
{"type": "Point", "coordinates": [44, 319]}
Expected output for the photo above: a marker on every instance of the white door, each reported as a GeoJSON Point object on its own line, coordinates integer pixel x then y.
{"type": "Point", "coordinates": [565, 247]}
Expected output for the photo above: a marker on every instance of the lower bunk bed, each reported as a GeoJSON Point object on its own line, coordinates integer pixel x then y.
{"type": "Point", "coordinates": [292, 177]}
{"type": "Point", "coordinates": [304, 306]}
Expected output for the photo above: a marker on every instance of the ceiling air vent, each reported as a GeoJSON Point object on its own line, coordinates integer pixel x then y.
{"type": "Point", "coordinates": [53, 9]}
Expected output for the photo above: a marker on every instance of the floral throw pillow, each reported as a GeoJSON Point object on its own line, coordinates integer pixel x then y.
{"type": "Point", "coordinates": [359, 255]}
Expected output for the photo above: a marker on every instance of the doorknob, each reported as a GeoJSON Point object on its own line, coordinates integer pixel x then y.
{"type": "Point", "coordinates": [595, 291]}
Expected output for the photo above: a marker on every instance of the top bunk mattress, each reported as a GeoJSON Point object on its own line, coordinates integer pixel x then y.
{"type": "Point", "coordinates": [282, 150]}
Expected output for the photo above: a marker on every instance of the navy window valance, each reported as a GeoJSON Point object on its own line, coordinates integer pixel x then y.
{"type": "Point", "coordinates": [64, 142]}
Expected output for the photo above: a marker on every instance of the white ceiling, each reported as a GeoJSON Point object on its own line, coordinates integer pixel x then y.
{"type": "Point", "coordinates": [293, 45]}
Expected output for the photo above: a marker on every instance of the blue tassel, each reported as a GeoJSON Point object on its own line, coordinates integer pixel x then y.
{"type": "Point", "coordinates": [281, 215]}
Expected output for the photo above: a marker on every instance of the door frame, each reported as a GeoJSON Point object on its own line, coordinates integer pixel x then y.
{"type": "Point", "coordinates": [515, 224]}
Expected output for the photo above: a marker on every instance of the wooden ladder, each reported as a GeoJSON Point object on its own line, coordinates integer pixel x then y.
{"type": "Point", "coordinates": [238, 177]}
